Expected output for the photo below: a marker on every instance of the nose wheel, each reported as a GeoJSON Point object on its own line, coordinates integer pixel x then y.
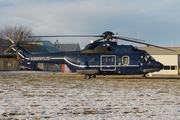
{"type": "Point", "coordinates": [87, 76]}
{"type": "Point", "coordinates": [144, 76]}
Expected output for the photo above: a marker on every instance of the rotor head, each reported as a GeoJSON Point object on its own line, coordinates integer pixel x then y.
{"type": "Point", "coordinates": [108, 35]}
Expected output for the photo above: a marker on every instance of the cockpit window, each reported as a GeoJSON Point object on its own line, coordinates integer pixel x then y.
{"type": "Point", "coordinates": [148, 57]}
{"type": "Point", "coordinates": [108, 59]}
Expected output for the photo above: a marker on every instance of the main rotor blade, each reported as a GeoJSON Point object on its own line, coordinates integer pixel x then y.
{"type": "Point", "coordinates": [135, 41]}
{"type": "Point", "coordinates": [98, 40]}
{"type": "Point", "coordinates": [68, 36]}
{"type": "Point", "coordinates": [116, 37]}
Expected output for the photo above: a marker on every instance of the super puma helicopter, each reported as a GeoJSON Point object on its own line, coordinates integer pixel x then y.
{"type": "Point", "coordinates": [97, 58]}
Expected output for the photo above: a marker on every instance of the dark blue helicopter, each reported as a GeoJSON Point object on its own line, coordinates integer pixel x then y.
{"type": "Point", "coordinates": [101, 57]}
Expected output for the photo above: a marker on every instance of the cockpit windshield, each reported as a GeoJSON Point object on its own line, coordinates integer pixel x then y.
{"type": "Point", "coordinates": [147, 57]}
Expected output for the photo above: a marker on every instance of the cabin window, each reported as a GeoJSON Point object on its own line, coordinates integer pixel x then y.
{"type": "Point", "coordinates": [104, 59]}
{"type": "Point", "coordinates": [111, 59]}
{"type": "Point", "coordinates": [108, 59]}
{"type": "Point", "coordinates": [125, 60]}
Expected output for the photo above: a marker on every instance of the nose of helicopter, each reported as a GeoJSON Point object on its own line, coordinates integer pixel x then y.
{"type": "Point", "coordinates": [158, 65]}
{"type": "Point", "coordinates": [154, 66]}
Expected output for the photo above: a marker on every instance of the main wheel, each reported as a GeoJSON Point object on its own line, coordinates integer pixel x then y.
{"type": "Point", "coordinates": [87, 76]}
{"type": "Point", "coordinates": [94, 76]}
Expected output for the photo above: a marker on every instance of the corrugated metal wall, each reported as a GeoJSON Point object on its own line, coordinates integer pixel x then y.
{"type": "Point", "coordinates": [49, 67]}
{"type": "Point", "coordinates": [9, 64]}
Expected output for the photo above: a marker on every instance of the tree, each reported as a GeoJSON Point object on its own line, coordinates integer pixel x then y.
{"type": "Point", "coordinates": [14, 31]}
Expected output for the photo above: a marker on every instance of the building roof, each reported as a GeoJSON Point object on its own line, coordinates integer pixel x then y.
{"type": "Point", "coordinates": [159, 51]}
{"type": "Point", "coordinates": [32, 47]}
{"type": "Point", "coordinates": [4, 42]}
{"type": "Point", "coordinates": [67, 46]}
{"type": "Point", "coordinates": [40, 47]}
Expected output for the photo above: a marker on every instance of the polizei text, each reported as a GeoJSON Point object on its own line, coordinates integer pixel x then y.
{"type": "Point", "coordinates": [40, 58]}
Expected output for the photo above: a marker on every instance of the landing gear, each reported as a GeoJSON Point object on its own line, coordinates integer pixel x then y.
{"type": "Point", "coordinates": [144, 76]}
{"type": "Point", "coordinates": [94, 76]}
{"type": "Point", "coordinates": [89, 76]}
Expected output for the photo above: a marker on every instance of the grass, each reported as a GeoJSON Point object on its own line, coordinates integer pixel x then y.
{"type": "Point", "coordinates": [80, 93]}
{"type": "Point", "coordinates": [78, 81]}
{"type": "Point", "coordinates": [75, 81]}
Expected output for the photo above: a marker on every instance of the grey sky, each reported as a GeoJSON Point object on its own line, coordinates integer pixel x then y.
{"type": "Point", "coordinates": [156, 21]}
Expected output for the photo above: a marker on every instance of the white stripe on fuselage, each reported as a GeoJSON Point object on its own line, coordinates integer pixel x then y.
{"type": "Point", "coordinates": [58, 58]}
{"type": "Point", "coordinates": [71, 63]}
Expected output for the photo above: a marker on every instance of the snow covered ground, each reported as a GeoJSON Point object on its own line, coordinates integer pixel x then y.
{"type": "Point", "coordinates": [43, 95]}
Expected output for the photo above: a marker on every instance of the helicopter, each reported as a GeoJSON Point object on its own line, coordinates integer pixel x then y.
{"type": "Point", "coordinates": [100, 57]}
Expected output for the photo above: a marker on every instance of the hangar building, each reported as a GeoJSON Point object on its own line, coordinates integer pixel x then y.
{"type": "Point", "coordinates": [170, 59]}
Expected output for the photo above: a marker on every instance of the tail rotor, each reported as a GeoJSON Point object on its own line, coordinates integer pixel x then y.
{"type": "Point", "coordinates": [13, 45]}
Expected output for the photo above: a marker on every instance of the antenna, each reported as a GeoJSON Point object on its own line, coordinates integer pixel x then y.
{"type": "Point", "coordinates": [116, 40]}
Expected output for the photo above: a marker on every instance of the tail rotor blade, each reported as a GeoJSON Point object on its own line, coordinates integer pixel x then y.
{"type": "Point", "coordinates": [9, 39]}
{"type": "Point", "coordinates": [17, 54]}
{"type": "Point", "coordinates": [20, 37]}
{"type": "Point", "coordinates": [7, 50]}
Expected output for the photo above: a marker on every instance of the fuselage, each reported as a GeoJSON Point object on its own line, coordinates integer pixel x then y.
{"type": "Point", "coordinates": [101, 58]}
